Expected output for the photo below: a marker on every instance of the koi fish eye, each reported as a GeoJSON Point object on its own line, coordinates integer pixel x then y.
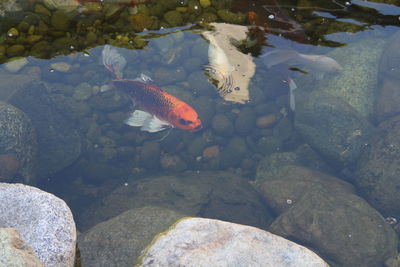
{"type": "Point", "coordinates": [185, 122]}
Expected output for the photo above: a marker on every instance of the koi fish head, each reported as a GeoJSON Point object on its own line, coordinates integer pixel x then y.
{"type": "Point", "coordinates": [185, 118]}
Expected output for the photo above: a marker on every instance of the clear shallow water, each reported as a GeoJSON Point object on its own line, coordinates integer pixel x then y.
{"type": "Point", "coordinates": [85, 151]}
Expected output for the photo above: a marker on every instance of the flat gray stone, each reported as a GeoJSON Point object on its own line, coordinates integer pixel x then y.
{"type": "Point", "coordinates": [44, 221]}
{"type": "Point", "coordinates": [206, 242]}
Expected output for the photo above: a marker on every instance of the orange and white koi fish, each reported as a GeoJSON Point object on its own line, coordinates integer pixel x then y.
{"type": "Point", "coordinates": [159, 110]}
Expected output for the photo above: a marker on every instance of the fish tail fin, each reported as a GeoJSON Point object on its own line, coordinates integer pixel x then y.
{"type": "Point", "coordinates": [278, 56]}
{"type": "Point", "coordinates": [113, 61]}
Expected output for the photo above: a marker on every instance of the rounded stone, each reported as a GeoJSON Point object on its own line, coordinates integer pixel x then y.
{"type": "Point", "coordinates": [44, 221]}
{"type": "Point", "coordinates": [232, 244]}
{"type": "Point", "coordinates": [222, 125]}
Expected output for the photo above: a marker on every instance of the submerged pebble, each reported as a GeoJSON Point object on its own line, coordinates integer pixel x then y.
{"type": "Point", "coordinates": [61, 66]}
{"type": "Point", "coordinates": [16, 64]}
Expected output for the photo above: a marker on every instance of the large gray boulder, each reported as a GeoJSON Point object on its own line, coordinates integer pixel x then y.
{"type": "Point", "coordinates": [120, 240]}
{"type": "Point", "coordinates": [44, 221]}
{"type": "Point", "coordinates": [13, 250]}
{"type": "Point", "coordinates": [356, 84]}
{"type": "Point", "coordinates": [59, 143]}
{"type": "Point", "coordinates": [18, 139]}
{"type": "Point", "coordinates": [388, 95]}
{"type": "Point", "coordinates": [332, 127]}
{"type": "Point", "coordinates": [339, 225]}
{"type": "Point", "coordinates": [378, 170]}
{"type": "Point", "coordinates": [219, 195]}
{"type": "Point", "coordinates": [206, 242]}
{"type": "Point", "coordinates": [291, 182]}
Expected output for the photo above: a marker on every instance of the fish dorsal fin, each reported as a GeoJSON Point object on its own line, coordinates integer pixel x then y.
{"type": "Point", "coordinates": [147, 122]}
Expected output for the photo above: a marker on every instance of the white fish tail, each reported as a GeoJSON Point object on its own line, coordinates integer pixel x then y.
{"type": "Point", "coordinates": [279, 56]}
{"type": "Point", "coordinates": [113, 61]}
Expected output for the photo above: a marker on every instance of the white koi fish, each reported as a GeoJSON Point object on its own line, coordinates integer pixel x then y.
{"type": "Point", "coordinates": [318, 65]}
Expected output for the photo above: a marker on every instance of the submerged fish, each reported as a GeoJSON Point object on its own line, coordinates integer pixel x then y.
{"type": "Point", "coordinates": [316, 64]}
{"type": "Point", "coordinates": [160, 109]}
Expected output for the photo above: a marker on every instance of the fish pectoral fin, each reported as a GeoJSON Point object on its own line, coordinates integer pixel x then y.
{"type": "Point", "coordinates": [138, 118]}
{"type": "Point", "coordinates": [154, 124]}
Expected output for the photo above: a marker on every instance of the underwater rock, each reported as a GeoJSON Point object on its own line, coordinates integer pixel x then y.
{"type": "Point", "coordinates": [59, 143]}
{"type": "Point", "coordinates": [64, 5]}
{"type": "Point", "coordinates": [15, 64]}
{"type": "Point", "coordinates": [268, 144]}
{"type": "Point", "coordinates": [172, 163]}
{"type": "Point", "coordinates": [266, 121]}
{"type": "Point", "coordinates": [196, 146]}
{"type": "Point", "coordinates": [245, 121]}
{"type": "Point", "coordinates": [387, 103]}
{"type": "Point", "coordinates": [211, 152]}
{"type": "Point", "coordinates": [304, 156]}
{"type": "Point", "coordinates": [17, 137]}
{"type": "Point", "coordinates": [205, 3]}
{"type": "Point", "coordinates": [109, 101]}
{"type": "Point", "coordinates": [214, 241]}
{"type": "Point", "coordinates": [44, 221]}
{"type": "Point", "coordinates": [173, 18]}
{"type": "Point", "coordinates": [127, 235]}
{"type": "Point", "coordinates": [61, 66]}
{"type": "Point", "coordinates": [15, 50]}
{"type": "Point", "coordinates": [198, 83]}
{"type": "Point", "coordinates": [377, 172]}
{"type": "Point", "coordinates": [357, 82]}
{"type": "Point", "coordinates": [234, 153]}
{"type": "Point", "coordinates": [164, 76]}
{"type": "Point", "coordinates": [41, 49]}
{"type": "Point", "coordinates": [40, 9]}
{"type": "Point", "coordinates": [230, 17]}
{"type": "Point", "coordinates": [9, 165]}
{"type": "Point", "coordinates": [14, 250]}
{"type": "Point", "coordinates": [82, 92]}
{"type": "Point", "coordinates": [222, 125]}
{"type": "Point", "coordinates": [140, 22]}
{"type": "Point", "coordinates": [335, 223]}
{"type": "Point", "coordinates": [332, 127]}
{"type": "Point", "coordinates": [219, 195]}
{"type": "Point", "coordinates": [289, 183]}
{"type": "Point", "coordinates": [149, 154]}
{"type": "Point", "coordinates": [388, 95]}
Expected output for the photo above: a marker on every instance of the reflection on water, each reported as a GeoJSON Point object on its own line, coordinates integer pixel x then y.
{"type": "Point", "coordinates": [320, 125]}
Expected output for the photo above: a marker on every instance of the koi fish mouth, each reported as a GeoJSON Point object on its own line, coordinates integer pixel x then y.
{"type": "Point", "coordinates": [197, 128]}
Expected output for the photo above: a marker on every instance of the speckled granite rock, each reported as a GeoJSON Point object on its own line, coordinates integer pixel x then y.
{"type": "Point", "coordinates": [339, 225]}
{"type": "Point", "coordinates": [44, 221]}
{"type": "Point", "coordinates": [357, 82]}
{"type": "Point", "coordinates": [14, 250]}
{"type": "Point", "coordinates": [332, 127]}
{"type": "Point", "coordinates": [205, 242]}
{"type": "Point", "coordinates": [377, 175]}
{"type": "Point", "coordinates": [17, 137]}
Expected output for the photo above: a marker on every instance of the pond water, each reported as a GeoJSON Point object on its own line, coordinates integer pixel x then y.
{"type": "Point", "coordinates": [299, 136]}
